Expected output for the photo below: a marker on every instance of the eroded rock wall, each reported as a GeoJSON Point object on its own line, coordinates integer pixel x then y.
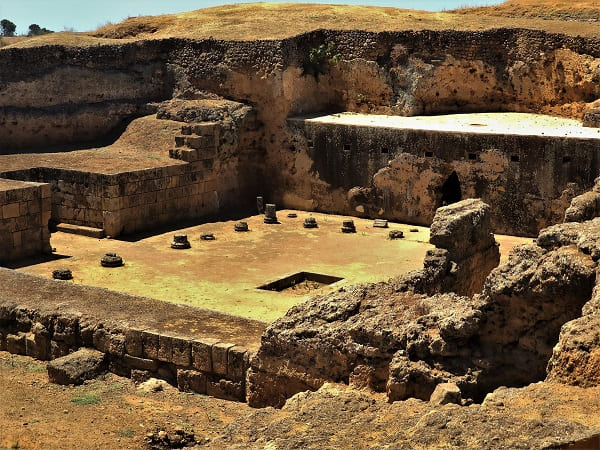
{"type": "Point", "coordinates": [56, 95]}
{"type": "Point", "coordinates": [391, 336]}
{"type": "Point", "coordinates": [405, 175]}
{"type": "Point", "coordinates": [353, 336]}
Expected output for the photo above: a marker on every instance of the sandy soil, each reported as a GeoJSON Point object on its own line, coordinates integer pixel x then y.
{"type": "Point", "coordinates": [522, 124]}
{"type": "Point", "coordinates": [108, 413]}
{"type": "Point", "coordinates": [112, 413]}
{"type": "Point", "coordinates": [224, 274]}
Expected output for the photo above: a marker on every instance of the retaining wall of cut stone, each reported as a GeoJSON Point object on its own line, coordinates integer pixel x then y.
{"type": "Point", "coordinates": [197, 350]}
{"type": "Point", "coordinates": [133, 201]}
{"type": "Point", "coordinates": [24, 216]}
{"type": "Point", "coordinates": [399, 174]}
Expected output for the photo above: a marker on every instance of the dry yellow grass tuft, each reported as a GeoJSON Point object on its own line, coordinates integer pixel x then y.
{"type": "Point", "coordinates": [588, 10]}
{"type": "Point", "coordinates": [282, 20]}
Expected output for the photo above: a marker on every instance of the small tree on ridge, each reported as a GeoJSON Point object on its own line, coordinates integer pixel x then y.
{"type": "Point", "coordinates": [7, 28]}
{"type": "Point", "coordinates": [36, 30]}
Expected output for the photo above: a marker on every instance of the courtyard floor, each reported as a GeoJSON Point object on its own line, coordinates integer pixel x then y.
{"type": "Point", "coordinates": [224, 274]}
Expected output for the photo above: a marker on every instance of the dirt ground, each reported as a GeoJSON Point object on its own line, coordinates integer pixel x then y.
{"type": "Point", "coordinates": [224, 274]}
{"type": "Point", "coordinates": [113, 413]}
{"type": "Point", "coordinates": [107, 413]}
{"type": "Point", "coordinates": [144, 144]}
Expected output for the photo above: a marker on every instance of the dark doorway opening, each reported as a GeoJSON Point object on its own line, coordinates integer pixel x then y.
{"type": "Point", "coordinates": [451, 191]}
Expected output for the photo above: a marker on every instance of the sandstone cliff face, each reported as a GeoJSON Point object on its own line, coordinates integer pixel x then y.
{"type": "Point", "coordinates": [392, 335]}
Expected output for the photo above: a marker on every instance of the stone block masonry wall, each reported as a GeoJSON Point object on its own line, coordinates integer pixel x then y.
{"type": "Point", "coordinates": [140, 200]}
{"type": "Point", "coordinates": [76, 195]}
{"type": "Point", "coordinates": [134, 201]}
{"type": "Point", "coordinates": [151, 337]}
{"type": "Point", "coordinates": [24, 215]}
{"type": "Point", "coordinates": [403, 174]}
{"type": "Point", "coordinates": [214, 168]}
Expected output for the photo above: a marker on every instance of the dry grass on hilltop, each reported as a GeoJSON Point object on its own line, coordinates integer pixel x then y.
{"type": "Point", "coordinates": [281, 20]}
{"type": "Point", "coordinates": [588, 10]}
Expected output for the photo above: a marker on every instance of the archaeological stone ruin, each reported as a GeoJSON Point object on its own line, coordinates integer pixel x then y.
{"type": "Point", "coordinates": [471, 135]}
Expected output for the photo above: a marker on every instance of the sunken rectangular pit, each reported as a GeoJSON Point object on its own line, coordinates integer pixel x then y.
{"type": "Point", "coordinates": [301, 283]}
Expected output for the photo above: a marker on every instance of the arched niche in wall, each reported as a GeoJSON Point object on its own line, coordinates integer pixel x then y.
{"type": "Point", "coordinates": [451, 190]}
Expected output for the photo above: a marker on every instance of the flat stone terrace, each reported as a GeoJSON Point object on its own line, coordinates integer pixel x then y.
{"type": "Point", "coordinates": [515, 124]}
{"type": "Point", "coordinates": [144, 145]}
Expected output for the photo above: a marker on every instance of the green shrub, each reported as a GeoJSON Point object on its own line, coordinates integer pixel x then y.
{"type": "Point", "coordinates": [319, 58]}
{"type": "Point", "coordinates": [88, 398]}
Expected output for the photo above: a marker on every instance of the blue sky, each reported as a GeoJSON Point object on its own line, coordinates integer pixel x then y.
{"type": "Point", "coordinates": [83, 15]}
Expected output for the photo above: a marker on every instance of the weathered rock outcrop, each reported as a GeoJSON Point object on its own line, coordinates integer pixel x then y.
{"type": "Point", "coordinates": [540, 416]}
{"type": "Point", "coordinates": [576, 358]}
{"type": "Point", "coordinates": [465, 253]}
{"type": "Point", "coordinates": [464, 230]}
{"type": "Point", "coordinates": [585, 206]}
{"type": "Point", "coordinates": [392, 334]}
{"type": "Point", "coordinates": [353, 336]}
{"type": "Point", "coordinates": [592, 117]}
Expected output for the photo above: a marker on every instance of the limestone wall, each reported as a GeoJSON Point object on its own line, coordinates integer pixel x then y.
{"type": "Point", "coordinates": [24, 216]}
{"type": "Point", "coordinates": [133, 201]}
{"type": "Point", "coordinates": [213, 169]}
{"type": "Point", "coordinates": [399, 174]}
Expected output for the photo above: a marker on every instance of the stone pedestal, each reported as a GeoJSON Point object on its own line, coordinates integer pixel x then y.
{"type": "Point", "coordinates": [62, 274]}
{"type": "Point", "coordinates": [310, 222]}
{"type": "Point", "coordinates": [111, 260]}
{"type": "Point", "coordinates": [270, 214]}
{"type": "Point", "coordinates": [348, 226]}
{"type": "Point", "coordinates": [380, 223]}
{"type": "Point", "coordinates": [241, 227]}
{"type": "Point", "coordinates": [260, 205]}
{"type": "Point", "coordinates": [180, 242]}
{"type": "Point", "coordinates": [396, 234]}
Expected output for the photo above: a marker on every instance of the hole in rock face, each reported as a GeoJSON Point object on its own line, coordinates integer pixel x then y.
{"type": "Point", "coordinates": [566, 159]}
{"type": "Point", "coordinates": [428, 154]}
{"type": "Point", "coordinates": [514, 158]}
{"type": "Point", "coordinates": [451, 190]}
{"type": "Point", "coordinates": [472, 157]}
{"type": "Point", "coordinates": [300, 283]}
{"type": "Point", "coordinates": [385, 150]}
